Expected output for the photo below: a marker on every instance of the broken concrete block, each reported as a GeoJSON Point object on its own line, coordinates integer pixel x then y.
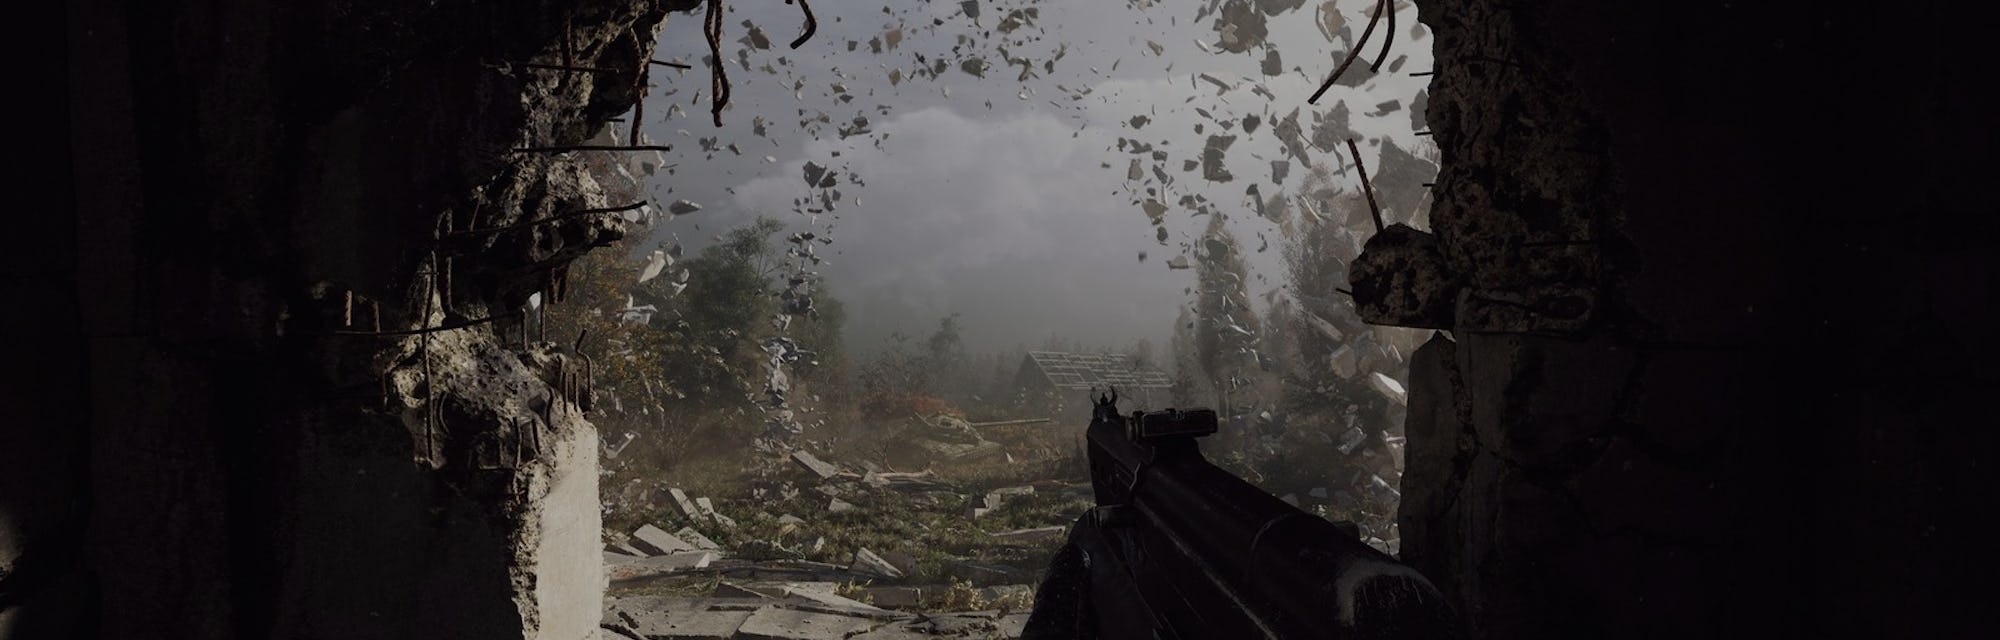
{"type": "Point", "coordinates": [625, 548]}
{"type": "Point", "coordinates": [707, 510]}
{"type": "Point", "coordinates": [814, 465]}
{"type": "Point", "coordinates": [1023, 536]}
{"type": "Point", "coordinates": [1389, 388]}
{"type": "Point", "coordinates": [695, 538]}
{"type": "Point", "coordinates": [773, 623]}
{"type": "Point", "coordinates": [866, 561]}
{"type": "Point", "coordinates": [1350, 439]}
{"type": "Point", "coordinates": [641, 568]}
{"type": "Point", "coordinates": [1344, 362]}
{"type": "Point", "coordinates": [684, 505]}
{"type": "Point", "coordinates": [700, 624]}
{"type": "Point", "coordinates": [1318, 492]}
{"type": "Point", "coordinates": [839, 506]}
{"type": "Point", "coordinates": [654, 542]}
{"type": "Point", "coordinates": [1291, 499]}
{"type": "Point", "coordinates": [1401, 279]}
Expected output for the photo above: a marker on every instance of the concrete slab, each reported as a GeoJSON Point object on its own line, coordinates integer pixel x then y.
{"type": "Point", "coordinates": [695, 538]}
{"type": "Point", "coordinates": [684, 505]}
{"type": "Point", "coordinates": [656, 542]}
{"type": "Point", "coordinates": [812, 464]}
{"type": "Point", "coordinates": [866, 561]}
{"type": "Point", "coordinates": [707, 510]}
{"type": "Point", "coordinates": [775, 623]}
{"type": "Point", "coordinates": [692, 625]}
{"type": "Point", "coordinates": [660, 565]}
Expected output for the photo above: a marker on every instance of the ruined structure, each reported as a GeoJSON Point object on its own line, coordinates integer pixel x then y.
{"type": "Point", "coordinates": [1718, 323]}
{"type": "Point", "coordinates": [281, 387]}
{"type": "Point", "coordinates": [1717, 279]}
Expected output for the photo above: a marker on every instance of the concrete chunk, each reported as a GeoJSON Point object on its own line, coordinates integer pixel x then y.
{"type": "Point", "coordinates": [656, 566]}
{"type": "Point", "coordinates": [706, 508]}
{"type": "Point", "coordinates": [774, 623]}
{"type": "Point", "coordinates": [684, 505]}
{"type": "Point", "coordinates": [656, 542]}
{"type": "Point", "coordinates": [812, 464]}
{"type": "Point", "coordinates": [839, 506]}
{"type": "Point", "coordinates": [695, 538]}
{"type": "Point", "coordinates": [866, 561]}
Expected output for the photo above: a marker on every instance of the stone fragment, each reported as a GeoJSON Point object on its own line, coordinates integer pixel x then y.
{"type": "Point", "coordinates": [1389, 388]}
{"type": "Point", "coordinates": [694, 625]}
{"type": "Point", "coordinates": [1401, 279]}
{"type": "Point", "coordinates": [640, 568]}
{"type": "Point", "coordinates": [814, 465]}
{"type": "Point", "coordinates": [695, 538]}
{"type": "Point", "coordinates": [622, 547]}
{"type": "Point", "coordinates": [652, 541]}
{"type": "Point", "coordinates": [684, 505]}
{"type": "Point", "coordinates": [706, 508]}
{"type": "Point", "coordinates": [837, 505]}
{"type": "Point", "coordinates": [866, 561]}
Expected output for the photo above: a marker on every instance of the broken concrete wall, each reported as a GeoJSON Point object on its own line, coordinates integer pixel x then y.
{"type": "Point", "coordinates": [229, 447]}
{"type": "Point", "coordinates": [1718, 353]}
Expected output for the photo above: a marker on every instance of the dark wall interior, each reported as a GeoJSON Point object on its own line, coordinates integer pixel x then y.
{"type": "Point", "coordinates": [1719, 281]}
{"type": "Point", "coordinates": [189, 446]}
{"type": "Point", "coordinates": [1720, 277]}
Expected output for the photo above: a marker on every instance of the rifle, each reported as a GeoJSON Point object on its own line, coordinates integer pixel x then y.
{"type": "Point", "coordinates": [1178, 548]}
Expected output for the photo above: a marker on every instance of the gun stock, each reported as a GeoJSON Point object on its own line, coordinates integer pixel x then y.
{"type": "Point", "coordinates": [1179, 548]}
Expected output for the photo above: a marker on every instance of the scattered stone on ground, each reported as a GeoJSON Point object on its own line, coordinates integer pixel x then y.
{"type": "Point", "coordinates": [866, 561]}
{"type": "Point", "coordinates": [695, 538]}
{"type": "Point", "coordinates": [839, 506]}
{"type": "Point", "coordinates": [653, 541]}
{"type": "Point", "coordinates": [706, 508]}
{"type": "Point", "coordinates": [814, 465]}
{"type": "Point", "coordinates": [684, 505]}
{"type": "Point", "coordinates": [656, 566]}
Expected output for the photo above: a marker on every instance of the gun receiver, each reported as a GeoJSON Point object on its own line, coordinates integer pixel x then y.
{"type": "Point", "coordinates": [1179, 548]}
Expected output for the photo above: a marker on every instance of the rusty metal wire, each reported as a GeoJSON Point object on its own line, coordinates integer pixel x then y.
{"type": "Point", "coordinates": [1352, 53]}
{"type": "Point", "coordinates": [1373, 211]}
{"type": "Point", "coordinates": [718, 71]}
{"type": "Point", "coordinates": [812, 24]}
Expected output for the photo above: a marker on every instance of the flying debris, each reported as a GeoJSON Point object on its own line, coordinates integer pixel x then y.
{"type": "Point", "coordinates": [683, 207]}
{"type": "Point", "coordinates": [655, 263]}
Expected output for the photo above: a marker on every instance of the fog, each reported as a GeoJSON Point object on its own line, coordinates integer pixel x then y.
{"type": "Point", "coordinates": [1003, 200]}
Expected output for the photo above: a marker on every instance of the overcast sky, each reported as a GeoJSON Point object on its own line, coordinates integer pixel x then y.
{"type": "Point", "coordinates": [994, 202]}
